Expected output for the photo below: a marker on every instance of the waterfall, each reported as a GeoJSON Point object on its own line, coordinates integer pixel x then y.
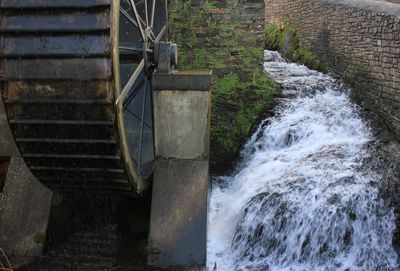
{"type": "Point", "coordinates": [303, 197]}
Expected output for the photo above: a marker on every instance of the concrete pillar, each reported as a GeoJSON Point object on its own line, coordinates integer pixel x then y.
{"type": "Point", "coordinates": [25, 203]}
{"type": "Point", "coordinates": [24, 212]}
{"type": "Point", "coordinates": [180, 186]}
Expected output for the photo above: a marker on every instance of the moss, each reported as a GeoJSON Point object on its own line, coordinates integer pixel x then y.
{"type": "Point", "coordinates": [39, 238]}
{"type": "Point", "coordinates": [226, 85]}
{"type": "Point", "coordinates": [286, 40]}
{"type": "Point", "coordinates": [241, 91]}
{"type": "Point", "coordinates": [151, 250]}
{"type": "Point", "coordinates": [194, 72]}
{"type": "Point", "coordinates": [240, 106]}
{"type": "Point", "coordinates": [207, 6]}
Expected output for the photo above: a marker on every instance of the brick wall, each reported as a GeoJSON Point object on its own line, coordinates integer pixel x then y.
{"type": "Point", "coordinates": [360, 42]}
{"type": "Point", "coordinates": [222, 35]}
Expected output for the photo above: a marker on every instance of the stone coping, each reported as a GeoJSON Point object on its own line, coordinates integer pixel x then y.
{"type": "Point", "coordinates": [370, 5]}
{"type": "Point", "coordinates": [183, 80]}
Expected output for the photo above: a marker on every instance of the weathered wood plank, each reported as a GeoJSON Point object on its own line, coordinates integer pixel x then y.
{"type": "Point", "coordinates": [61, 111]}
{"type": "Point", "coordinates": [71, 162]}
{"type": "Point", "coordinates": [62, 122]}
{"type": "Point", "coordinates": [53, 3]}
{"type": "Point", "coordinates": [77, 45]}
{"type": "Point", "coordinates": [71, 185]}
{"type": "Point", "coordinates": [66, 140]}
{"type": "Point", "coordinates": [78, 181]}
{"type": "Point", "coordinates": [64, 131]}
{"type": "Point", "coordinates": [56, 101]}
{"type": "Point", "coordinates": [76, 172]}
{"type": "Point", "coordinates": [75, 69]}
{"type": "Point", "coordinates": [65, 148]}
{"type": "Point", "coordinates": [55, 22]}
{"type": "Point", "coordinates": [60, 91]}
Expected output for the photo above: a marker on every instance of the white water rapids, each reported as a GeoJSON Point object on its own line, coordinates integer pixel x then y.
{"type": "Point", "coordinates": [303, 198]}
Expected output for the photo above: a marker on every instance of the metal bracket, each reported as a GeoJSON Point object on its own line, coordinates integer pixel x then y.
{"type": "Point", "coordinates": [166, 56]}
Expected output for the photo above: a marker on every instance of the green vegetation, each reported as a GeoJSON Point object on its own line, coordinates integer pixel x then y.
{"type": "Point", "coordinates": [39, 238]}
{"type": "Point", "coordinates": [272, 36]}
{"type": "Point", "coordinates": [210, 38]}
{"type": "Point", "coordinates": [286, 41]}
{"type": "Point", "coordinates": [238, 107]}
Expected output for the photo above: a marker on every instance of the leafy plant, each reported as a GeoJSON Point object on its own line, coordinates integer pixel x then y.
{"type": "Point", "coordinates": [287, 41]}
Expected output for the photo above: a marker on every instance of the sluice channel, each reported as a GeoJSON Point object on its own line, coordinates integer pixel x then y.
{"type": "Point", "coordinates": [306, 195]}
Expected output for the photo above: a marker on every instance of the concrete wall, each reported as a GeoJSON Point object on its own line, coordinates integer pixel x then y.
{"type": "Point", "coordinates": [360, 42]}
{"type": "Point", "coordinates": [226, 36]}
{"type": "Point", "coordinates": [24, 205]}
{"type": "Point", "coordinates": [24, 212]}
{"type": "Point", "coordinates": [178, 224]}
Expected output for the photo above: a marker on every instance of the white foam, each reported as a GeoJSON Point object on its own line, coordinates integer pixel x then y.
{"type": "Point", "coordinates": [302, 199]}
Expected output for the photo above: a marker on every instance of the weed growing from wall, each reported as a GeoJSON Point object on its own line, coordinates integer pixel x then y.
{"type": "Point", "coordinates": [286, 40]}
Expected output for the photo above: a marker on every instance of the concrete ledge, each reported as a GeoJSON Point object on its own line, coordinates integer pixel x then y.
{"type": "Point", "coordinates": [370, 5]}
{"type": "Point", "coordinates": [179, 213]}
{"type": "Point", "coordinates": [182, 80]}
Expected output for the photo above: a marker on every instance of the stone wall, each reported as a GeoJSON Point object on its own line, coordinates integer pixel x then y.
{"type": "Point", "coordinates": [24, 205]}
{"type": "Point", "coordinates": [226, 36]}
{"type": "Point", "coordinates": [360, 42]}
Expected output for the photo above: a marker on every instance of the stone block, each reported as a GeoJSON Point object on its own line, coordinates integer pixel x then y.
{"type": "Point", "coordinates": [24, 211]}
{"type": "Point", "coordinates": [182, 124]}
{"type": "Point", "coordinates": [179, 213]}
{"type": "Point", "coordinates": [357, 41]}
{"type": "Point", "coordinates": [7, 144]}
{"type": "Point", "coordinates": [25, 202]}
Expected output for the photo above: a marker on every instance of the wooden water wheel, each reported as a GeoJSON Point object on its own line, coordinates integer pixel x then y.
{"type": "Point", "coordinates": [76, 84]}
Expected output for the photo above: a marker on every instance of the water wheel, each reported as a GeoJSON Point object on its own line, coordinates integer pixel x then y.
{"type": "Point", "coordinates": [76, 84]}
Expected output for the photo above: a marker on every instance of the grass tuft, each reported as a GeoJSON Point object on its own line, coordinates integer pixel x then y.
{"type": "Point", "coordinates": [286, 40]}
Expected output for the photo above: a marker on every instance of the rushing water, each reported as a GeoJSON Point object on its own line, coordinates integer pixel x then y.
{"type": "Point", "coordinates": [304, 197]}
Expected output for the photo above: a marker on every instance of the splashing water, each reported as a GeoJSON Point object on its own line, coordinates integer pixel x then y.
{"type": "Point", "coordinates": [304, 197]}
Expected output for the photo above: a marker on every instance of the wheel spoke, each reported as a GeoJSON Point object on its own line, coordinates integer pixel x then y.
{"type": "Point", "coordinates": [143, 23]}
{"type": "Point", "coordinates": [146, 13]}
{"type": "Point", "coordinates": [136, 50]}
{"type": "Point", "coordinates": [152, 14]}
{"type": "Point", "coordinates": [153, 37]}
{"type": "Point", "coordinates": [137, 4]}
{"type": "Point", "coordinates": [131, 81]}
{"type": "Point", "coordinates": [142, 126]}
{"type": "Point", "coordinates": [161, 34]}
{"type": "Point", "coordinates": [138, 18]}
{"type": "Point", "coordinates": [126, 14]}
{"type": "Point", "coordinates": [131, 49]}
{"type": "Point", "coordinates": [150, 35]}
{"type": "Point", "coordinates": [131, 96]}
{"type": "Point", "coordinates": [138, 118]}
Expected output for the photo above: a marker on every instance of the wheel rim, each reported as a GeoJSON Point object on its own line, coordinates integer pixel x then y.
{"type": "Point", "coordinates": [142, 23]}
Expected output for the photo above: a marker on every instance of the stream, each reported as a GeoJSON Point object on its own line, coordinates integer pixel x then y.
{"type": "Point", "coordinates": [303, 197]}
